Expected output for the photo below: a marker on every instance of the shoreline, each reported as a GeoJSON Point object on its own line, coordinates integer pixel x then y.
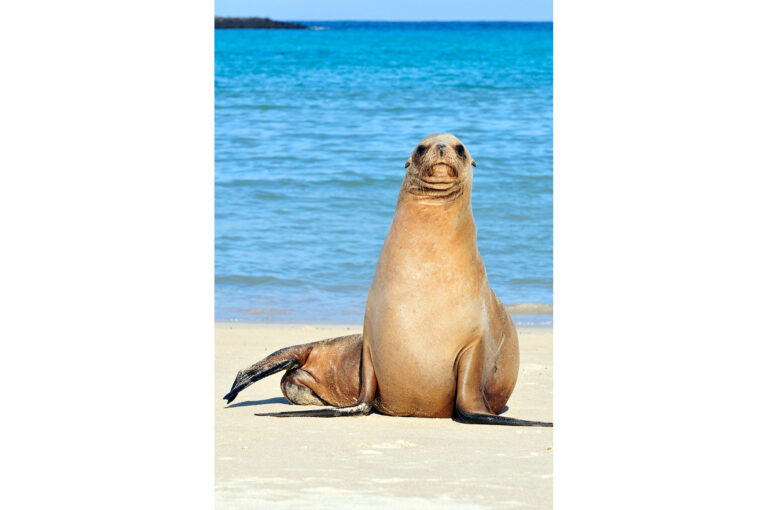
{"type": "Point", "coordinates": [532, 321]}
{"type": "Point", "coordinates": [528, 314]}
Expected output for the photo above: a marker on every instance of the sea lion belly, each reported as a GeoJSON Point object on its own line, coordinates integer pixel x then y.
{"type": "Point", "coordinates": [417, 337]}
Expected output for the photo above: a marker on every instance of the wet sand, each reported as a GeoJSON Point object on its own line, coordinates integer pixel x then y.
{"type": "Point", "coordinates": [370, 461]}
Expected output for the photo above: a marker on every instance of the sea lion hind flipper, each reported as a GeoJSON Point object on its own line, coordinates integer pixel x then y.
{"type": "Point", "coordinates": [360, 409]}
{"type": "Point", "coordinates": [365, 398]}
{"type": "Point", "coordinates": [284, 359]}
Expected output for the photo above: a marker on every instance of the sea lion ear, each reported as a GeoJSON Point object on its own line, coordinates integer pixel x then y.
{"type": "Point", "coordinates": [408, 163]}
{"type": "Point", "coordinates": [473, 163]}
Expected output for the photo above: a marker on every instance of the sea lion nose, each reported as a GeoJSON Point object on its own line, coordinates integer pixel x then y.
{"type": "Point", "coordinates": [440, 147]}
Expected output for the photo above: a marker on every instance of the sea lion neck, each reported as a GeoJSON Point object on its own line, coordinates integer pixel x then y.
{"type": "Point", "coordinates": [452, 194]}
{"type": "Point", "coordinates": [431, 220]}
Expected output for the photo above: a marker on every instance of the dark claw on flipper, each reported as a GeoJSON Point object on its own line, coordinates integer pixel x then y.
{"type": "Point", "coordinates": [237, 387]}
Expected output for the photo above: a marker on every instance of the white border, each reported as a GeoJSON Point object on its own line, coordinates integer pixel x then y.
{"type": "Point", "coordinates": [107, 261]}
{"type": "Point", "coordinates": [660, 254]}
{"type": "Point", "coordinates": [107, 258]}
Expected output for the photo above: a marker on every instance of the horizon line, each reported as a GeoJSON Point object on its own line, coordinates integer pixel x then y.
{"type": "Point", "coordinates": [389, 20]}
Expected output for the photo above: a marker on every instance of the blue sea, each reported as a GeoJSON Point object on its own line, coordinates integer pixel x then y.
{"type": "Point", "coordinates": [313, 128]}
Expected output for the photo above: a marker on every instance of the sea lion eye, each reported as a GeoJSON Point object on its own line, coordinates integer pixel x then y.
{"type": "Point", "coordinates": [460, 150]}
{"type": "Point", "coordinates": [420, 150]}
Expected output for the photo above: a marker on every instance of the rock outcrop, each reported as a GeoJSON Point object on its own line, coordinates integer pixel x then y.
{"type": "Point", "coordinates": [221, 22]}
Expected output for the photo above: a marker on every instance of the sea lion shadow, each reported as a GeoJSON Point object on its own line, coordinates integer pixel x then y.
{"type": "Point", "coordinates": [283, 400]}
{"type": "Point", "coordinates": [274, 400]}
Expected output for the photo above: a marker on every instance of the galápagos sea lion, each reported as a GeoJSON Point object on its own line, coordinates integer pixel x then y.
{"type": "Point", "coordinates": [436, 340]}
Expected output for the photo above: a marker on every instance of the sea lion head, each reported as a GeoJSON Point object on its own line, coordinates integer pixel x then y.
{"type": "Point", "coordinates": [439, 167]}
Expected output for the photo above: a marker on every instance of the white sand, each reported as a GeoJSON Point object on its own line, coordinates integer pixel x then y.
{"type": "Point", "coordinates": [376, 460]}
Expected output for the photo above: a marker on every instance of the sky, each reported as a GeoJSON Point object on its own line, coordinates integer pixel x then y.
{"type": "Point", "coordinates": [389, 10]}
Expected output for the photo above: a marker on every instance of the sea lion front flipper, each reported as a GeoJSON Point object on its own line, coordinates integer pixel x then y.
{"type": "Point", "coordinates": [470, 406]}
{"type": "Point", "coordinates": [492, 419]}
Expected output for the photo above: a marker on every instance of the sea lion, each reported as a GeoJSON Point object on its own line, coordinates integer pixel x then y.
{"type": "Point", "coordinates": [436, 340]}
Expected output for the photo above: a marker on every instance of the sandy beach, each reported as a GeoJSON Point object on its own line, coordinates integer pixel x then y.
{"type": "Point", "coordinates": [376, 460]}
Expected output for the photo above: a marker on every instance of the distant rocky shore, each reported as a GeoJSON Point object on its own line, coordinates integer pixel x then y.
{"type": "Point", "coordinates": [221, 22]}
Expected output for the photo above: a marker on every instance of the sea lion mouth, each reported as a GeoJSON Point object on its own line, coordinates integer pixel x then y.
{"type": "Point", "coordinates": [449, 169]}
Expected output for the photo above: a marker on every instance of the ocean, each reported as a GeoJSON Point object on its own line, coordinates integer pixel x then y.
{"type": "Point", "coordinates": [313, 127]}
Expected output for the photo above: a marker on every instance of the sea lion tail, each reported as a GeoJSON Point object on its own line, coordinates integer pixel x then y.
{"type": "Point", "coordinates": [492, 419]}
{"type": "Point", "coordinates": [284, 359]}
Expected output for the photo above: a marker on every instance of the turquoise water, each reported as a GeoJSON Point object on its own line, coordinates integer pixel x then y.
{"type": "Point", "coordinates": [313, 128]}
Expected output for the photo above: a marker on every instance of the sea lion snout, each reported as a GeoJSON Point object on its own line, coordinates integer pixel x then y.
{"type": "Point", "coordinates": [441, 169]}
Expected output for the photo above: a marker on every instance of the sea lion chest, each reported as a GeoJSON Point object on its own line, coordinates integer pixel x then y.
{"type": "Point", "coordinates": [424, 308]}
